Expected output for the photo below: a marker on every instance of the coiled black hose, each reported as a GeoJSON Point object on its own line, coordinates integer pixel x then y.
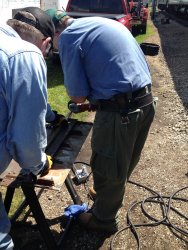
{"type": "Point", "coordinates": [166, 208]}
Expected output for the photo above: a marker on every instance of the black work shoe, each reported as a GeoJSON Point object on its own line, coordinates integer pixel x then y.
{"type": "Point", "coordinates": [90, 222]}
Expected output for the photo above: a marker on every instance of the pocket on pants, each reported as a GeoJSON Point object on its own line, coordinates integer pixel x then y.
{"type": "Point", "coordinates": [102, 140]}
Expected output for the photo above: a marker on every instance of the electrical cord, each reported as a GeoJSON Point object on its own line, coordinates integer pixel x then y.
{"type": "Point", "coordinates": [165, 203]}
{"type": "Point", "coordinates": [166, 208]}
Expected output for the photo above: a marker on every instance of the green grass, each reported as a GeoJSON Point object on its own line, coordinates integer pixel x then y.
{"type": "Point", "coordinates": [57, 96]}
{"type": "Point", "coordinates": [17, 199]}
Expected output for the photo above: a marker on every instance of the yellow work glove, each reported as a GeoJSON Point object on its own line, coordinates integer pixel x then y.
{"type": "Point", "coordinates": [47, 166]}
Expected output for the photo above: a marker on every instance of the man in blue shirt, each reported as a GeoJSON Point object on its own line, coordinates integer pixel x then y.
{"type": "Point", "coordinates": [24, 41]}
{"type": "Point", "coordinates": [104, 64]}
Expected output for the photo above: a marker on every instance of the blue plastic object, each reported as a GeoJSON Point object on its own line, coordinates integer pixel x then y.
{"type": "Point", "coordinates": [75, 210]}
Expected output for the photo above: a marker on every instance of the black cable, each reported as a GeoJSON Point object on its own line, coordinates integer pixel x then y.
{"type": "Point", "coordinates": [81, 162]}
{"type": "Point", "coordinates": [166, 208]}
{"type": "Point", "coordinates": [165, 203]}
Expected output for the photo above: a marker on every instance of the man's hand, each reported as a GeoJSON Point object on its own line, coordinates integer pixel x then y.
{"type": "Point", "coordinates": [47, 166]}
{"type": "Point", "coordinates": [30, 177]}
{"type": "Point", "coordinates": [58, 119]}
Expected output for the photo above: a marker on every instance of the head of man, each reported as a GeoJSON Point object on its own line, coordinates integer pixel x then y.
{"type": "Point", "coordinates": [34, 26]}
{"type": "Point", "coordinates": [61, 21]}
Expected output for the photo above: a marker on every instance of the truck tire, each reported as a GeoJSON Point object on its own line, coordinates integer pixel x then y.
{"type": "Point", "coordinates": [135, 30]}
{"type": "Point", "coordinates": [143, 29]}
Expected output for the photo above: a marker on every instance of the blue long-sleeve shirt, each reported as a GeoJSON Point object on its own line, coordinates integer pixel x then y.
{"type": "Point", "coordinates": [23, 102]}
{"type": "Point", "coordinates": [100, 58]}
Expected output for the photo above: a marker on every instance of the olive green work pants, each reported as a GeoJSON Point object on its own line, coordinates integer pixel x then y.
{"type": "Point", "coordinates": [116, 149]}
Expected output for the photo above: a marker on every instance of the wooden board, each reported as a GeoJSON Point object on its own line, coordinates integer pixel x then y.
{"type": "Point", "coordinates": [56, 177]}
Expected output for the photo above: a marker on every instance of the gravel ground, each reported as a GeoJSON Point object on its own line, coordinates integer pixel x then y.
{"type": "Point", "coordinates": [163, 165]}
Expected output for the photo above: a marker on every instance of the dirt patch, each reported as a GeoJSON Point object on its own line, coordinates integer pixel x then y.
{"type": "Point", "coordinates": [163, 165]}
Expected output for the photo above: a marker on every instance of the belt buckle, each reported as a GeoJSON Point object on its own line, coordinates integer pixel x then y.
{"type": "Point", "coordinates": [124, 116]}
{"type": "Point", "coordinates": [125, 119]}
{"type": "Point", "coordinates": [147, 89]}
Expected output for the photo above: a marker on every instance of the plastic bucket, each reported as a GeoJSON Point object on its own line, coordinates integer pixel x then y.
{"type": "Point", "coordinates": [150, 49]}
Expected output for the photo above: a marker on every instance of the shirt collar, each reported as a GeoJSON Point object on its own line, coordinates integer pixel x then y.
{"type": "Point", "coordinates": [6, 29]}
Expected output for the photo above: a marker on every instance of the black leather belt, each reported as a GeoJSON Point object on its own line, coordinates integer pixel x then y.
{"type": "Point", "coordinates": [125, 102]}
{"type": "Point", "coordinates": [142, 91]}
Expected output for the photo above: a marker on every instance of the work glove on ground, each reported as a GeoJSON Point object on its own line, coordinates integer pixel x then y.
{"type": "Point", "coordinates": [75, 210]}
{"type": "Point", "coordinates": [58, 119]}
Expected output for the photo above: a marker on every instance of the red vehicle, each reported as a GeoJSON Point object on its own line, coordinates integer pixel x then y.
{"type": "Point", "coordinates": [114, 9]}
{"type": "Point", "coordinates": [139, 12]}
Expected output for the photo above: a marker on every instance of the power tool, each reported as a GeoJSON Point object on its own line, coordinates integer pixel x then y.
{"type": "Point", "coordinates": [81, 107]}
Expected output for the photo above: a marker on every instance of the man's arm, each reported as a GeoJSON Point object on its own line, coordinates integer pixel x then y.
{"type": "Point", "coordinates": [50, 115]}
{"type": "Point", "coordinates": [26, 131]}
{"type": "Point", "coordinates": [75, 79]}
{"type": "Point", "coordinates": [80, 99]}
